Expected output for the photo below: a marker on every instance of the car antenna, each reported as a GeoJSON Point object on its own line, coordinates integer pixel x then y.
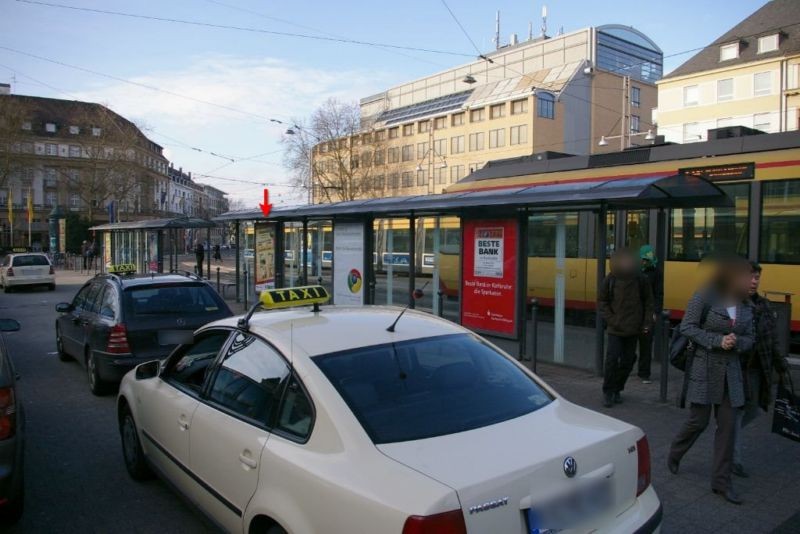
{"type": "Point", "coordinates": [415, 295]}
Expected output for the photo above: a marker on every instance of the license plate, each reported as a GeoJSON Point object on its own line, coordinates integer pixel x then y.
{"type": "Point", "coordinates": [587, 500]}
{"type": "Point", "coordinates": [175, 337]}
{"type": "Point", "coordinates": [27, 272]}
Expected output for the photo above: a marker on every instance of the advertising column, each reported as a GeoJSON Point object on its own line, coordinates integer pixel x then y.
{"type": "Point", "coordinates": [348, 264]}
{"type": "Point", "coordinates": [489, 276]}
{"type": "Point", "coordinates": [264, 276]}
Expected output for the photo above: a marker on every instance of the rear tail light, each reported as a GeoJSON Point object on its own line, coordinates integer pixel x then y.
{"type": "Point", "coordinates": [8, 413]}
{"type": "Point", "coordinates": [643, 470]}
{"type": "Point", "coordinates": [10, 271]}
{"type": "Point", "coordinates": [118, 340]}
{"type": "Point", "coordinates": [445, 523]}
{"type": "Point", "coordinates": [52, 271]}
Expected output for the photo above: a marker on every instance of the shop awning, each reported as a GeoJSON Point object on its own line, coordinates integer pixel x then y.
{"type": "Point", "coordinates": [157, 224]}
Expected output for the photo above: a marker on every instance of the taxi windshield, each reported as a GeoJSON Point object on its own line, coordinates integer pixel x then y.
{"type": "Point", "coordinates": [430, 387]}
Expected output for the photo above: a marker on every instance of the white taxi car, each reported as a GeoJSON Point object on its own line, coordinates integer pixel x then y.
{"type": "Point", "coordinates": [27, 269]}
{"type": "Point", "coordinates": [333, 421]}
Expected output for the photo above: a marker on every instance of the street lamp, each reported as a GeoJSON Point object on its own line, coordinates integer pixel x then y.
{"type": "Point", "coordinates": [470, 79]}
{"type": "Point", "coordinates": [648, 136]}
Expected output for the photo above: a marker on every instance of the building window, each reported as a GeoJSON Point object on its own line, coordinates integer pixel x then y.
{"type": "Point", "coordinates": [50, 127]}
{"type": "Point", "coordinates": [546, 106]}
{"type": "Point", "coordinates": [424, 126]}
{"type": "Point", "coordinates": [408, 153]}
{"type": "Point", "coordinates": [518, 107]}
{"type": "Point", "coordinates": [725, 122]}
{"type": "Point", "coordinates": [74, 130]}
{"type": "Point", "coordinates": [422, 177]}
{"type": "Point", "coordinates": [456, 173]}
{"type": "Point", "coordinates": [74, 151]}
{"type": "Point", "coordinates": [457, 144]}
{"type": "Point", "coordinates": [50, 198]}
{"type": "Point", "coordinates": [74, 200]}
{"type": "Point", "coordinates": [394, 155]}
{"type": "Point", "coordinates": [476, 115]}
{"type": "Point", "coordinates": [408, 129]}
{"type": "Point", "coordinates": [519, 134]}
{"type": "Point", "coordinates": [691, 132]}
{"type": "Point", "coordinates": [26, 125]}
{"type": "Point", "coordinates": [394, 180]}
{"type": "Point", "coordinates": [441, 175]}
{"type": "Point", "coordinates": [51, 149]}
{"type": "Point", "coordinates": [440, 147]}
{"type": "Point", "coordinates": [724, 89]}
{"type": "Point", "coordinates": [636, 96]}
{"type": "Point", "coordinates": [380, 182]}
{"type": "Point", "coordinates": [768, 43]}
{"type": "Point", "coordinates": [763, 122]}
{"type": "Point", "coordinates": [690, 95]}
{"type": "Point", "coordinates": [440, 123]}
{"type": "Point", "coordinates": [779, 222]}
{"type": "Point", "coordinates": [729, 51]}
{"type": "Point", "coordinates": [497, 138]}
{"type": "Point", "coordinates": [97, 131]}
{"type": "Point", "coordinates": [762, 83]}
{"type": "Point", "coordinates": [407, 181]}
{"type": "Point", "coordinates": [476, 141]}
{"type": "Point", "coordinates": [496, 111]}
{"type": "Point", "coordinates": [380, 135]}
{"type": "Point", "coordinates": [422, 150]}
{"type": "Point", "coordinates": [379, 157]}
{"type": "Point", "coordinates": [457, 119]}
{"type": "Point", "coordinates": [635, 126]}
{"type": "Point", "coordinates": [394, 132]}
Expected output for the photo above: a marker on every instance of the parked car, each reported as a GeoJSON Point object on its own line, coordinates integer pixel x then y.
{"type": "Point", "coordinates": [116, 322]}
{"type": "Point", "coordinates": [330, 422]}
{"type": "Point", "coordinates": [12, 435]}
{"type": "Point", "coordinates": [27, 269]}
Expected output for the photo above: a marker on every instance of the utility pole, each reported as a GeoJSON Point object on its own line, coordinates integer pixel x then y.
{"type": "Point", "coordinates": [624, 128]}
{"type": "Point", "coordinates": [432, 186]}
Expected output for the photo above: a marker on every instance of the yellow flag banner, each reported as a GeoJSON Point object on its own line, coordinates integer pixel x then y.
{"type": "Point", "coordinates": [30, 206]}
{"type": "Point", "coordinates": [10, 208]}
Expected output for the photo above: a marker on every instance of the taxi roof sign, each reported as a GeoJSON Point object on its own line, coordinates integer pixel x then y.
{"type": "Point", "coordinates": [122, 268]}
{"type": "Point", "coordinates": [272, 299]}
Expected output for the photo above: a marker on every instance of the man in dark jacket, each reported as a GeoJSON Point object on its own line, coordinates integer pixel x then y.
{"type": "Point", "coordinates": [654, 277]}
{"type": "Point", "coordinates": [757, 367]}
{"type": "Point", "coordinates": [199, 255]}
{"type": "Point", "coordinates": [625, 301]}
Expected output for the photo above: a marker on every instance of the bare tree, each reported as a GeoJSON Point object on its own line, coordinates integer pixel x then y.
{"type": "Point", "coordinates": [333, 157]}
{"type": "Point", "coordinates": [12, 118]}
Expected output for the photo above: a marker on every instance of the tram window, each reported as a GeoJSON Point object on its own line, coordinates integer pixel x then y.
{"type": "Point", "coordinates": [696, 232]}
{"type": "Point", "coordinates": [542, 235]}
{"type": "Point", "coordinates": [780, 222]}
{"type": "Point", "coordinates": [637, 230]}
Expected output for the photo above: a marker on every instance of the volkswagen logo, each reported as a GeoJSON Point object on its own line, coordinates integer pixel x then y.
{"type": "Point", "coordinates": [570, 466]}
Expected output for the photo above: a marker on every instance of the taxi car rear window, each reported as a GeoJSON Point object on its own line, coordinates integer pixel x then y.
{"type": "Point", "coordinates": [30, 261]}
{"type": "Point", "coordinates": [181, 299]}
{"type": "Point", "coordinates": [430, 387]}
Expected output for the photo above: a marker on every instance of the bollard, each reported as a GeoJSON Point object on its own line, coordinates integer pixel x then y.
{"type": "Point", "coordinates": [246, 288]}
{"type": "Point", "coordinates": [533, 331]}
{"type": "Point", "coordinates": [440, 296]}
{"type": "Point", "coordinates": [661, 339]}
{"type": "Point", "coordinates": [218, 279]}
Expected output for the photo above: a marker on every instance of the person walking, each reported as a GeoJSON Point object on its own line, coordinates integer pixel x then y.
{"type": "Point", "coordinates": [199, 254]}
{"type": "Point", "coordinates": [719, 323]}
{"type": "Point", "coordinates": [217, 253]}
{"type": "Point", "coordinates": [85, 253]}
{"type": "Point", "coordinates": [655, 279]}
{"type": "Point", "coordinates": [757, 366]}
{"type": "Point", "coordinates": [625, 302]}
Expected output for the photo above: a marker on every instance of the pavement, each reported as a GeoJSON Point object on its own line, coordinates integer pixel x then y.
{"type": "Point", "coordinates": [76, 480]}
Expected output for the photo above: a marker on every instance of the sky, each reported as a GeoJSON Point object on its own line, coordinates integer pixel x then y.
{"type": "Point", "coordinates": [204, 92]}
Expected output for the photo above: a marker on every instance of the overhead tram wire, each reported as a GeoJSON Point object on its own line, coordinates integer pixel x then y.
{"type": "Point", "coordinates": [246, 29]}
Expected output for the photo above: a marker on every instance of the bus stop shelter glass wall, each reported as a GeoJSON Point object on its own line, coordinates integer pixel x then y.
{"type": "Point", "coordinates": [391, 261]}
{"type": "Point", "coordinates": [320, 253]}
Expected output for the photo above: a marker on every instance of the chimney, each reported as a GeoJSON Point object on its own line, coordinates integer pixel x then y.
{"type": "Point", "coordinates": [5, 88]}
{"type": "Point", "coordinates": [513, 39]}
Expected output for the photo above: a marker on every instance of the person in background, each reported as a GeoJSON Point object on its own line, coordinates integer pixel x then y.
{"type": "Point", "coordinates": [655, 279]}
{"type": "Point", "coordinates": [625, 302]}
{"type": "Point", "coordinates": [199, 254]}
{"type": "Point", "coordinates": [719, 322]}
{"type": "Point", "coordinates": [758, 366]}
{"type": "Point", "coordinates": [85, 253]}
{"type": "Point", "coordinates": [217, 253]}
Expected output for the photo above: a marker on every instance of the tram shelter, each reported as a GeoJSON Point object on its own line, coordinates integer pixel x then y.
{"type": "Point", "coordinates": [493, 246]}
{"type": "Point", "coordinates": [148, 243]}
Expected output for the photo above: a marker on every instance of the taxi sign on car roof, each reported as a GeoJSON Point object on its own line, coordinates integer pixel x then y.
{"type": "Point", "coordinates": [271, 299]}
{"type": "Point", "coordinates": [122, 268]}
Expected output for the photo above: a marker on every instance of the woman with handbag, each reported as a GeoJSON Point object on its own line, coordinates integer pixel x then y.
{"type": "Point", "coordinates": [719, 324]}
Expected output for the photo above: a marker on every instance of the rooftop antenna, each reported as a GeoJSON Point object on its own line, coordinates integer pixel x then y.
{"type": "Point", "coordinates": [417, 294]}
{"type": "Point", "coordinates": [530, 31]}
{"type": "Point", "coordinates": [544, 22]}
{"type": "Point", "coordinates": [497, 30]}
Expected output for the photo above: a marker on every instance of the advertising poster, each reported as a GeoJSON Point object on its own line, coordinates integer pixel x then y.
{"type": "Point", "coordinates": [107, 249]}
{"type": "Point", "coordinates": [62, 235]}
{"type": "Point", "coordinates": [264, 277]}
{"type": "Point", "coordinates": [348, 264]}
{"type": "Point", "coordinates": [489, 278]}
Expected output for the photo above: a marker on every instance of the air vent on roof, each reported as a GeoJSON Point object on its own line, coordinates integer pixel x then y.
{"type": "Point", "coordinates": [731, 131]}
{"type": "Point", "coordinates": [620, 158]}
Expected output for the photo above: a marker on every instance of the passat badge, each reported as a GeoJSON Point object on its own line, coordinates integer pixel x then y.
{"type": "Point", "coordinates": [570, 466]}
{"type": "Point", "coordinates": [497, 503]}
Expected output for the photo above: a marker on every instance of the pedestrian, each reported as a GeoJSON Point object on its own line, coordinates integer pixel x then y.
{"type": "Point", "coordinates": [199, 254]}
{"type": "Point", "coordinates": [757, 366]}
{"type": "Point", "coordinates": [85, 253]}
{"type": "Point", "coordinates": [90, 253]}
{"type": "Point", "coordinates": [655, 279]}
{"type": "Point", "coordinates": [626, 304]}
{"type": "Point", "coordinates": [719, 323]}
{"type": "Point", "coordinates": [217, 253]}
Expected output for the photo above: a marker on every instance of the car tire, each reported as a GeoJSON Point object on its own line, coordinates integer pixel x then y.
{"type": "Point", "coordinates": [275, 529]}
{"type": "Point", "coordinates": [62, 355]}
{"type": "Point", "coordinates": [51, 287]}
{"type": "Point", "coordinates": [6, 289]}
{"type": "Point", "coordinates": [132, 453]}
{"type": "Point", "coordinates": [97, 385]}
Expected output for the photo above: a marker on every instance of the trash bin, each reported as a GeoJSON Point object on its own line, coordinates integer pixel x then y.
{"type": "Point", "coordinates": [782, 306]}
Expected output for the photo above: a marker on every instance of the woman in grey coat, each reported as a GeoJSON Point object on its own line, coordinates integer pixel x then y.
{"type": "Point", "coordinates": [719, 323]}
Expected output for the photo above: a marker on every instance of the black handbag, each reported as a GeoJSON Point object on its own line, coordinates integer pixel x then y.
{"type": "Point", "coordinates": [681, 348]}
{"type": "Point", "coordinates": [786, 413]}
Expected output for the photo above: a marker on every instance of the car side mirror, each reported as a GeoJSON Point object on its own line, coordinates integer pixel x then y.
{"type": "Point", "coordinates": [148, 370]}
{"type": "Point", "coordinates": [9, 325]}
{"type": "Point", "coordinates": [64, 307]}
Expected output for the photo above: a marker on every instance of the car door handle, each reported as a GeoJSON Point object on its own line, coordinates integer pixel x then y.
{"type": "Point", "coordinates": [183, 424]}
{"type": "Point", "coordinates": [247, 460]}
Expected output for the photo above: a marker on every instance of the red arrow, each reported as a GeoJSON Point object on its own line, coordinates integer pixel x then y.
{"type": "Point", "coordinates": [266, 207]}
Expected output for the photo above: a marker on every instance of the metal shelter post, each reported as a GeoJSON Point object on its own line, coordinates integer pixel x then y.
{"type": "Point", "coordinates": [435, 289]}
{"type": "Point", "coordinates": [208, 255]}
{"type": "Point", "coordinates": [238, 256]}
{"type": "Point", "coordinates": [661, 328]}
{"type": "Point", "coordinates": [412, 259]}
{"type": "Point", "coordinates": [280, 254]}
{"type": "Point", "coordinates": [522, 283]}
{"type": "Point", "coordinates": [601, 274]}
{"type": "Point", "coordinates": [304, 263]}
{"type": "Point", "coordinates": [369, 267]}
{"type": "Point", "coordinates": [559, 304]}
